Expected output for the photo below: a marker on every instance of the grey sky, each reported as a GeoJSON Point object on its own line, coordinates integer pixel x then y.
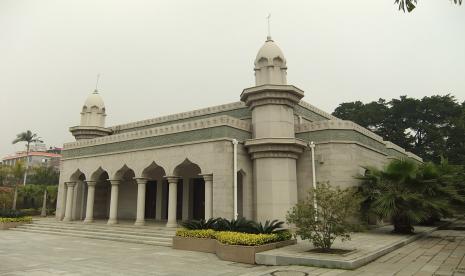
{"type": "Point", "coordinates": [162, 57]}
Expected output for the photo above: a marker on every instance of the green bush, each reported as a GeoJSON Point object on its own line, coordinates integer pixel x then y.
{"type": "Point", "coordinates": [9, 213]}
{"type": "Point", "coordinates": [235, 225]}
{"type": "Point", "coordinates": [200, 224]}
{"type": "Point", "coordinates": [196, 233]}
{"type": "Point", "coordinates": [20, 219]}
{"type": "Point", "coordinates": [269, 227]}
{"type": "Point", "coordinates": [31, 212]}
{"type": "Point", "coordinates": [322, 225]}
{"type": "Point", "coordinates": [236, 238]}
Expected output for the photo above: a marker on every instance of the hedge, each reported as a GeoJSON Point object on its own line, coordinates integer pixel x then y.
{"type": "Point", "coordinates": [202, 234]}
{"type": "Point", "coordinates": [20, 219]}
{"type": "Point", "coordinates": [235, 238]}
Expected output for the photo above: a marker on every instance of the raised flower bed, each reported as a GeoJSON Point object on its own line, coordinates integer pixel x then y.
{"type": "Point", "coordinates": [6, 223]}
{"type": "Point", "coordinates": [230, 246]}
{"type": "Point", "coordinates": [12, 218]}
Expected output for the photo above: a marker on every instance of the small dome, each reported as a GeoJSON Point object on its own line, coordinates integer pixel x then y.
{"type": "Point", "coordinates": [269, 51]}
{"type": "Point", "coordinates": [94, 99]}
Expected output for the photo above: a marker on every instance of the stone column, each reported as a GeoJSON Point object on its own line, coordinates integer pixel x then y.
{"type": "Point", "coordinates": [63, 200]}
{"type": "Point", "coordinates": [208, 178]}
{"type": "Point", "coordinates": [69, 200]}
{"type": "Point", "coordinates": [172, 200]}
{"type": "Point", "coordinates": [113, 219]}
{"type": "Point", "coordinates": [90, 201]}
{"type": "Point", "coordinates": [141, 187]}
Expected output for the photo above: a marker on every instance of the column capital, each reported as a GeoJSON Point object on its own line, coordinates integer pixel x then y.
{"type": "Point", "coordinates": [91, 183]}
{"type": "Point", "coordinates": [141, 180]}
{"type": "Point", "coordinates": [207, 177]}
{"type": "Point", "coordinates": [172, 178]}
{"type": "Point", "coordinates": [70, 184]}
{"type": "Point", "coordinates": [114, 181]}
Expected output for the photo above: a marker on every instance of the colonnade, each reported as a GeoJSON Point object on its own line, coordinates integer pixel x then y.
{"type": "Point", "coordinates": [141, 183]}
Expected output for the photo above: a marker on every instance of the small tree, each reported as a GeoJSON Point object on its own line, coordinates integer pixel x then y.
{"type": "Point", "coordinates": [17, 171]}
{"type": "Point", "coordinates": [331, 218]}
{"type": "Point", "coordinates": [28, 137]}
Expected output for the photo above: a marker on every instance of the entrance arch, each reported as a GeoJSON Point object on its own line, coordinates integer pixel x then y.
{"type": "Point", "coordinates": [102, 194]}
{"type": "Point", "coordinates": [127, 196]}
{"type": "Point", "coordinates": [156, 192]}
{"type": "Point", "coordinates": [79, 196]}
{"type": "Point", "coordinates": [190, 192]}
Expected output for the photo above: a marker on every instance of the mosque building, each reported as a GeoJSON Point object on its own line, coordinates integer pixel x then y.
{"type": "Point", "coordinates": [254, 158]}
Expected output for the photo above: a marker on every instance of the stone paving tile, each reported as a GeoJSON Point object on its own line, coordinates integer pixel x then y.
{"type": "Point", "coordinates": [24, 253]}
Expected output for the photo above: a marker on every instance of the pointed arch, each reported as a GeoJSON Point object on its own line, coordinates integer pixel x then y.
{"type": "Point", "coordinates": [187, 167]}
{"type": "Point", "coordinates": [124, 173]}
{"type": "Point", "coordinates": [153, 171]}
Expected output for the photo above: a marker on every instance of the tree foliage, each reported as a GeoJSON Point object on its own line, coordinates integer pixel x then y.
{"type": "Point", "coordinates": [44, 175]}
{"type": "Point", "coordinates": [410, 5]}
{"type": "Point", "coordinates": [331, 218]}
{"type": "Point", "coordinates": [430, 127]}
{"type": "Point", "coordinates": [407, 193]}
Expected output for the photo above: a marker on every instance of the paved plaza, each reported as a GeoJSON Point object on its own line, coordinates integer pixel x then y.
{"type": "Point", "coordinates": [22, 253]}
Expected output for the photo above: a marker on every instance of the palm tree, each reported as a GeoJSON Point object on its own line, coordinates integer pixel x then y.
{"type": "Point", "coordinates": [410, 5]}
{"type": "Point", "coordinates": [406, 193]}
{"type": "Point", "coordinates": [17, 171]}
{"type": "Point", "coordinates": [29, 138]}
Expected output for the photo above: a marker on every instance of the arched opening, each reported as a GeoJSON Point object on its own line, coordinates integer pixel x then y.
{"type": "Point", "coordinates": [240, 193]}
{"type": "Point", "coordinates": [102, 194]}
{"type": "Point", "coordinates": [156, 192]}
{"type": "Point", "coordinates": [79, 196]}
{"type": "Point", "coordinates": [127, 196]}
{"type": "Point", "coordinates": [191, 191]}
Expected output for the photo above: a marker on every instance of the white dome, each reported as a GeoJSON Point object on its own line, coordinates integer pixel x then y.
{"type": "Point", "coordinates": [94, 99]}
{"type": "Point", "coordinates": [270, 51]}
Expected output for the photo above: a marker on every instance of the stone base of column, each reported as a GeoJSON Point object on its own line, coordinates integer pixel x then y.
{"type": "Point", "coordinates": [171, 224]}
{"type": "Point", "coordinates": [88, 220]}
{"type": "Point", "coordinates": [112, 221]}
{"type": "Point", "coordinates": [66, 219]}
{"type": "Point", "coordinates": [139, 223]}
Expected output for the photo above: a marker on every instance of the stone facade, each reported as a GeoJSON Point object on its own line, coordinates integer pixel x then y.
{"type": "Point", "coordinates": [189, 165]}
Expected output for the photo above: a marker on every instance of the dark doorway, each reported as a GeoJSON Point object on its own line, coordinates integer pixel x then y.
{"type": "Point", "coordinates": [179, 200]}
{"type": "Point", "coordinates": [199, 198]}
{"type": "Point", "coordinates": [150, 199]}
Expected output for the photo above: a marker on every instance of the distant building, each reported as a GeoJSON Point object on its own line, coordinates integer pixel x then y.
{"type": "Point", "coordinates": [50, 158]}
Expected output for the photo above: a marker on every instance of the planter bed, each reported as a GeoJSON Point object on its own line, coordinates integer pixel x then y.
{"type": "Point", "coordinates": [234, 253]}
{"type": "Point", "coordinates": [8, 225]}
{"type": "Point", "coordinates": [194, 244]}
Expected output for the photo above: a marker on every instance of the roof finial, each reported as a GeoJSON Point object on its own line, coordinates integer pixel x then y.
{"type": "Point", "coordinates": [269, 28]}
{"type": "Point", "coordinates": [96, 83]}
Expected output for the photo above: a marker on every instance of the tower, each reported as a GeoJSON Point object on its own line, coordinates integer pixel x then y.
{"type": "Point", "coordinates": [92, 119]}
{"type": "Point", "coordinates": [273, 147]}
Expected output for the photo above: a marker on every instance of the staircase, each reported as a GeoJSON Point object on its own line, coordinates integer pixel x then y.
{"type": "Point", "coordinates": [153, 235]}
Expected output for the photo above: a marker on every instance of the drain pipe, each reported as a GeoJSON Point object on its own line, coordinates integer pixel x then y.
{"type": "Point", "coordinates": [235, 142]}
{"type": "Point", "coordinates": [312, 148]}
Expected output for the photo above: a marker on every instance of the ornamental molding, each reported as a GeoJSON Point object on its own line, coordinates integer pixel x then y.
{"type": "Point", "coordinates": [272, 94]}
{"type": "Point", "coordinates": [336, 124]}
{"type": "Point", "coordinates": [275, 147]}
{"type": "Point", "coordinates": [316, 110]}
{"type": "Point", "coordinates": [348, 125]}
{"type": "Point", "coordinates": [180, 116]}
{"type": "Point", "coordinates": [223, 120]}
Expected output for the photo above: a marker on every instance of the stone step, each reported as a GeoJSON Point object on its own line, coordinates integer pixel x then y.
{"type": "Point", "coordinates": [105, 229]}
{"type": "Point", "coordinates": [142, 240]}
{"type": "Point", "coordinates": [76, 230]}
{"type": "Point", "coordinates": [113, 226]}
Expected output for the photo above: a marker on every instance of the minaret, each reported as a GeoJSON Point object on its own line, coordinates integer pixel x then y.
{"type": "Point", "coordinates": [92, 119]}
{"type": "Point", "coordinates": [273, 148]}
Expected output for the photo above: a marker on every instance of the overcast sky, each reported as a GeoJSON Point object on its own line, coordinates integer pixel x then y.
{"type": "Point", "coordinates": [163, 57]}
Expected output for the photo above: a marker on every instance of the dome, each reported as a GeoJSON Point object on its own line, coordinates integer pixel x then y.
{"type": "Point", "coordinates": [94, 99]}
{"type": "Point", "coordinates": [269, 51]}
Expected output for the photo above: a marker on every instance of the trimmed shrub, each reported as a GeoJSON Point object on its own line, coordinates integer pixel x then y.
{"type": "Point", "coordinates": [10, 213]}
{"type": "Point", "coordinates": [31, 212]}
{"type": "Point", "coordinates": [19, 219]}
{"type": "Point", "coordinates": [236, 238]}
{"type": "Point", "coordinates": [197, 233]}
